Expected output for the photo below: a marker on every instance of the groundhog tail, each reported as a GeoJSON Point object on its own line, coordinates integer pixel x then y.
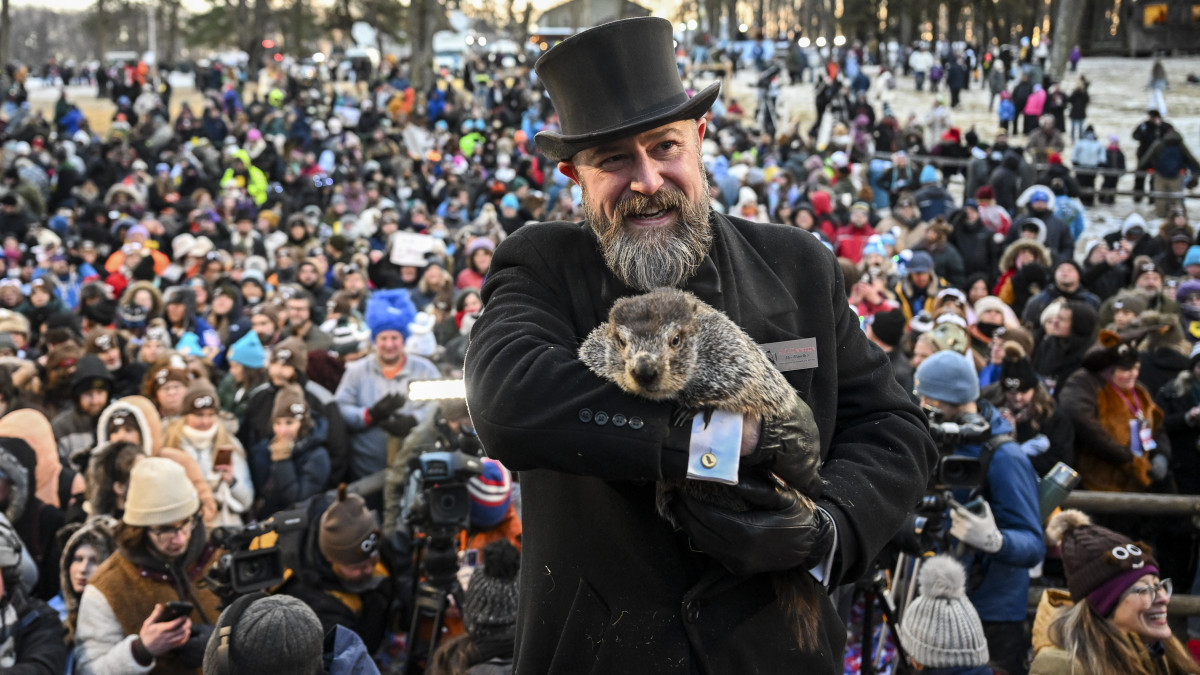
{"type": "Point", "coordinates": [801, 606]}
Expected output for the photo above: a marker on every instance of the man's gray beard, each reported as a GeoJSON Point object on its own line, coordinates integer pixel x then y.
{"type": "Point", "coordinates": [645, 259]}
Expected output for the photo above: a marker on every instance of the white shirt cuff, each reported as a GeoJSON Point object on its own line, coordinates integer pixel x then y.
{"type": "Point", "coordinates": [715, 450]}
{"type": "Point", "coordinates": [821, 572]}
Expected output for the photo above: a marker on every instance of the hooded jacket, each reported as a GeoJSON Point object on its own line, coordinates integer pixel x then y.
{"type": "Point", "coordinates": [35, 521]}
{"type": "Point", "coordinates": [54, 484]}
{"type": "Point", "coordinates": [74, 430]}
{"type": "Point", "coordinates": [255, 179]}
{"type": "Point", "coordinates": [96, 532]}
{"type": "Point", "coordinates": [150, 426]}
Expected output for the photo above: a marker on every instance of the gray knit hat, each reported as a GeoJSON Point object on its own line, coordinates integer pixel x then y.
{"type": "Point", "coordinates": [277, 634]}
{"type": "Point", "coordinates": [941, 629]}
{"type": "Point", "coordinates": [490, 607]}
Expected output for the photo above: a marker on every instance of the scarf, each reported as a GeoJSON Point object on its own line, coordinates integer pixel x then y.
{"type": "Point", "coordinates": [201, 440]}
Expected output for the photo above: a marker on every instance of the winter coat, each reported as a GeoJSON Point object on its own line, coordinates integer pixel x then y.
{"type": "Point", "coordinates": [35, 521]}
{"type": "Point", "coordinates": [1105, 280]}
{"type": "Point", "coordinates": [1044, 418]}
{"type": "Point", "coordinates": [37, 637]}
{"type": "Point", "coordinates": [1157, 302]}
{"type": "Point", "coordinates": [1102, 434]}
{"type": "Point", "coordinates": [1033, 309]}
{"type": "Point", "coordinates": [123, 592]}
{"type": "Point", "coordinates": [1054, 660]}
{"type": "Point", "coordinates": [254, 182]}
{"type": "Point", "coordinates": [1160, 366]}
{"type": "Point", "coordinates": [322, 407]}
{"type": "Point", "coordinates": [56, 485]}
{"type": "Point", "coordinates": [1006, 182]}
{"type": "Point", "coordinates": [97, 532]}
{"type": "Point", "coordinates": [1088, 153]}
{"type": "Point", "coordinates": [1011, 488]}
{"type": "Point", "coordinates": [278, 484]}
{"type": "Point", "coordinates": [977, 245]}
{"type": "Point", "coordinates": [1058, 235]}
{"type": "Point", "coordinates": [346, 654]}
{"type": "Point", "coordinates": [361, 387]}
{"type": "Point", "coordinates": [1169, 157]}
{"type": "Point", "coordinates": [233, 501]}
{"type": "Point", "coordinates": [1176, 398]}
{"type": "Point", "coordinates": [151, 431]}
{"type": "Point", "coordinates": [657, 605]}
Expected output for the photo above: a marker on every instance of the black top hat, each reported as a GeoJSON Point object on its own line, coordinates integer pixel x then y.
{"type": "Point", "coordinates": [615, 80]}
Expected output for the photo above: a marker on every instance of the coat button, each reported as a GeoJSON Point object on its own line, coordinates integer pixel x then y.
{"type": "Point", "coordinates": [619, 420]}
{"type": "Point", "coordinates": [585, 415]}
{"type": "Point", "coordinates": [691, 611]}
{"type": "Point", "coordinates": [601, 418]}
{"type": "Point", "coordinates": [635, 423]}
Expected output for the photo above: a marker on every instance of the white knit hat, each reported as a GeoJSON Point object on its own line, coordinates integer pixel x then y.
{"type": "Point", "coordinates": [159, 494]}
{"type": "Point", "coordinates": [941, 629]}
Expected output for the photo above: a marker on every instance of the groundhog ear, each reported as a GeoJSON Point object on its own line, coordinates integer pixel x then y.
{"type": "Point", "coordinates": [1109, 338]}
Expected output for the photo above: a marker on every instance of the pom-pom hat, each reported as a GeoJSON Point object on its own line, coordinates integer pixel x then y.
{"type": "Point", "coordinates": [1100, 564]}
{"type": "Point", "coordinates": [941, 628]}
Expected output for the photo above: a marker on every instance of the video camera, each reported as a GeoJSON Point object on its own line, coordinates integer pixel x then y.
{"type": "Point", "coordinates": [439, 506]}
{"type": "Point", "coordinates": [245, 566]}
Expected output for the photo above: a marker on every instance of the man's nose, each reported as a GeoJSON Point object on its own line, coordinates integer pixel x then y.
{"type": "Point", "coordinates": [646, 178]}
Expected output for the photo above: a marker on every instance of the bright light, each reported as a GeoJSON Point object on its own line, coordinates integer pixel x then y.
{"type": "Point", "coordinates": [803, 42]}
{"type": "Point", "coordinates": [821, 41]}
{"type": "Point", "coordinates": [318, 58]}
{"type": "Point", "coordinates": [691, 24]}
{"type": "Point", "coordinates": [743, 27]}
{"type": "Point", "coordinates": [680, 27]}
{"type": "Point", "coordinates": [429, 390]}
{"type": "Point", "coordinates": [544, 46]}
{"type": "Point", "coordinates": [470, 39]}
{"type": "Point", "coordinates": [533, 28]}
{"type": "Point", "coordinates": [268, 44]}
{"type": "Point", "coordinates": [278, 58]}
{"type": "Point", "coordinates": [482, 41]}
{"type": "Point", "coordinates": [839, 40]}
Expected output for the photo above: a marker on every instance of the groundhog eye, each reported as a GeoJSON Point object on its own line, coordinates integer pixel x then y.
{"type": "Point", "coordinates": [620, 342]}
{"type": "Point", "coordinates": [676, 340]}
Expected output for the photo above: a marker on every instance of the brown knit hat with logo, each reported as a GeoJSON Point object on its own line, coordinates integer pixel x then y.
{"type": "Point", "coordinates": [201, 395]}
{"type": "Point", "coordinates": [291, 352]}
{"type": "Point", "coordinates": [289, 402]}
{"type": "Point", "coordinates": [1100, 563]}
{"type": "Point", "coordinates": [101, 340]}
{"type": "Point", "coordinates": [349, 534]}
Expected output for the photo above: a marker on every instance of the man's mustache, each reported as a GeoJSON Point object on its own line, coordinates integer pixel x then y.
{"type": "Point", "coordinates": [667, 198]}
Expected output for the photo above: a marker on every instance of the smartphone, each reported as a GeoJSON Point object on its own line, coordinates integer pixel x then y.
{"type": "Point", "coordinates": [224, 457]}
{"type": "Point", "coordinates": [471, 559]}
{"type": "Point", "coordinates": [174, 610]}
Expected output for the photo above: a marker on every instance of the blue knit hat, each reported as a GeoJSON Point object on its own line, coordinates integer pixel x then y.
{"type": "Point", "coordinates": [928, 174]}
{"type": "Point", "coordinates": [390, 310]}
{"type": "Point", "coordinates": [248, 351]}
{"type": "Point", "coordinates": [189, 345]}
{"type": "Point", "coordinates": [1192, 257]}
{"type": "Point", "coordinates": [947, 376]}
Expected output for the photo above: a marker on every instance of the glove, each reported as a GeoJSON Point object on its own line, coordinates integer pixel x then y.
{"type": "Point", "coordinates": [191, 653]}
{"type": "Point", "coordinates": [1158, 467]}
{"type": "Point", "coordinates": [281, 449]}
{"type": "Point", "coordinates": [791, 449]}
{"type": "Point", "coordinates": [385, 406]}
{"type": "Point", "coordinates": [780, 531]}
{"type": "Point", "coordinates": [398, 425]}
{"type": "Point", "coordinates": [976, 531]}
{"type": "Point", "coordinates": [1036, 445]}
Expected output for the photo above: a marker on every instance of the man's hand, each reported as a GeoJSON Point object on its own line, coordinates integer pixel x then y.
{"type": "Point", "coordinates": [160, 638]}
{"type": "Point", "coordinates": [791, 449]}
{"type": "Point", "coordinates": [398, 425]}
{"type": "Point", "coordinates": [780, 531]}
{"type": "Point", "coordinates": [385, 406]}
{"type": "Point", "coordinates": [977, 531]}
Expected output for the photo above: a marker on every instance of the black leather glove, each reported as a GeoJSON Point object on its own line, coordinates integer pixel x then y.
{"type": "Point", "coordinates": [191, 653]}
{"type": "Point", "coordinates": [780, 531]}
{"type": "Point", "coordinates": [385, 406]}
{"type": "Point", "coordinates": [791, 449]}
{"type": "Point", "coordinates": [398, 425]}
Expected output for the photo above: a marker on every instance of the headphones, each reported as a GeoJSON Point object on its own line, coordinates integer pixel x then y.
{"type": "Point", "coordinates": [225, 632]}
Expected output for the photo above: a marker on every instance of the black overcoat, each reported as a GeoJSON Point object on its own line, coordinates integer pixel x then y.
{"type": "Point", "coordinates": [606, 586]}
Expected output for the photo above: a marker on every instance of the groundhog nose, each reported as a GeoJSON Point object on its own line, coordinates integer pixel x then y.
{"type": "Point", "coordinates": [645, 371]}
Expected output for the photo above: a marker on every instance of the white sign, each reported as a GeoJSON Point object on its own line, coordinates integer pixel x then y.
{"type": "Point", "coordinates": [409, 248]}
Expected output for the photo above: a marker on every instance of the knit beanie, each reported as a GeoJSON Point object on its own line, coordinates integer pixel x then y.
{"type": "Point", "coordinates": [1129, 301]}
{"type": "Point", "coordinates": [277, 633]}
{"type": "Point", "coordinates": [201, 395]}
{"type": "Point", "coordinates": [248, 351]}
{"type": "Point", "coordinates": [491, 494]}
{"type": "Point", "coordinates": [1015, 334]}
{"type": "Point", "coordinates": [889, 326]}
{"type": "Point", "coordinates": [291, 352]}
{"type": "Point", "coordinates": [160, 493]}
{"type": "Point", "coordinates": [947, 376]}
{"type": "Point", "coordinates": [349, 534]}
{"type": "Point", "coordinates": [90, 374]}
{"type": "Point", "coordinates": [1016, 372]}
{"type": "Point", "coordinates": [171, 373]}
{"type": "Point", "coordinates": [189, 345]}
{"type": "Point", "coordinates": [390, 309]}
{"type": "Point", "coordinates": [941, 629]}
{"type": "Point", "coordinates": [290, 402]}
{"type": "Point", "coordinates": [100, 341]}
{"type": "Point", "coordinates": [1192, 257]}
{"type": "Point", "coordinates": [989, 302]}
{"type": "Point", "coordinates": [1100, 564]}
{"type": "Point", "coordinates": [490, 607]}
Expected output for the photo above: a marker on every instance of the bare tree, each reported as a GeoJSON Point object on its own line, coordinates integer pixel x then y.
{"type": "Point", "coordinates": [1066, 35]}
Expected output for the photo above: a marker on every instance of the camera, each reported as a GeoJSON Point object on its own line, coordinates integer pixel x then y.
{"type": "Point", "coordinates": [248, 565]}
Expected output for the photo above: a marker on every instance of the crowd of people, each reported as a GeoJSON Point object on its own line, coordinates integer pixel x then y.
{"type": "Point", "coordinates": [213, 315]}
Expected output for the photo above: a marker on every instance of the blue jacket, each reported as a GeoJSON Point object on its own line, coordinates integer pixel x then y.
{"type": "Point", "coordinates": [1011, 488]}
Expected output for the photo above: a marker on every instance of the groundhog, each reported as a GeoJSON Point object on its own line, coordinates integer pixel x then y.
{"type": "Point", "coordinates": [668, 345]}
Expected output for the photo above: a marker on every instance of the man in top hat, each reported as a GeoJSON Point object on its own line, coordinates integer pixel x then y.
{"type": "Point", "coordinates": [700, 599]}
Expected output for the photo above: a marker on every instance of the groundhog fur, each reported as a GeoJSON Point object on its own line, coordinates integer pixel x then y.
{"type": "Point", "coordinates": [668, 345]}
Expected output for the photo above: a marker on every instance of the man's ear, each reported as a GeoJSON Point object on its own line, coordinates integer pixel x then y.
{"type": "Point", "coordinates": [701, 125]}
{"type": "Point", "coordinates": [568, 169]}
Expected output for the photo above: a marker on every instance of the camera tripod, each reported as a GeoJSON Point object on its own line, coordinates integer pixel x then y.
{"type": "Point", "coordinates": [439, 565]}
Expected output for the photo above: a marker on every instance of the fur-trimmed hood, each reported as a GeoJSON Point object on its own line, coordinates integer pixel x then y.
{"type": "Point", "coordinates": [131, 289]}
{"type": "Point", "coordinates": [148, 420]}
{"type": "Point", "coordinates": [1010, 254]}
{"type": "Point", "coordinates": [97, 532]}
{"type": "Point", "coordinates": [33, 426]}
{"type": "Point", "coordinates": [17, 461]}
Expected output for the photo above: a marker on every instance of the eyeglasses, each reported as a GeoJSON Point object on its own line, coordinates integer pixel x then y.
{"type": "Point", "coordinates": [169, 531]}
{"type": "Point", "coordinates": [1150, 591]}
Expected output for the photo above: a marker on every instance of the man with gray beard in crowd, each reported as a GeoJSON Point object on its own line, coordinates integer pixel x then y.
{"type": "Point", "coordinates": [608, 584]}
